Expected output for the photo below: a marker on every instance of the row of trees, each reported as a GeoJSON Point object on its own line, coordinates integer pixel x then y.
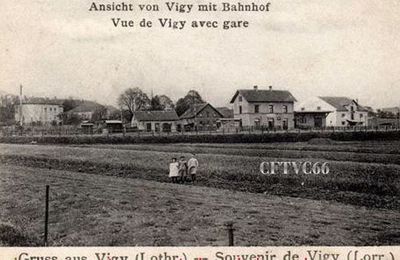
{"type": "Point", "coordinates": [134, 99]}
{"type": "Point", "coordinates": [131, 100]}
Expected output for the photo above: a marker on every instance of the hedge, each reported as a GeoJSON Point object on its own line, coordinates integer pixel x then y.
{"type": "Point", "coordinates": [216, 138]}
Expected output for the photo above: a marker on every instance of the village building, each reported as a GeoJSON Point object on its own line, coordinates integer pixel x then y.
{"type": "Point", "coordinates": [39, 111]}
{"type": "Point", "coordinates": [227, 122]}
{"type": "Point", "coordinates": [267, 108]}
{"type": "Point", "coordinates": [311, 113]}
{"type": "Point", "coordinates": [343, 111]}
{"type": "Point", "coordinates": [155, 121]}
{"type": "Point", "coordinates": [200, 117]}
{"type": "Point", "coordinates": [391, 111]}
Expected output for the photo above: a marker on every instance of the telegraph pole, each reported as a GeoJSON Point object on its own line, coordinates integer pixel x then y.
{"type": "Point", "coordinates": [194, 111]}
{"type": "Point", "coordinates": [20, 105]}
{"type": "Point", "coordinates": [398, 117]}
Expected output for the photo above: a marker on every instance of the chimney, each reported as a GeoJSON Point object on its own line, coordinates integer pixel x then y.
{"type": "Point", "coordinates": [255, 87]}
{"type": "Point", "coordinates": [270, 87]}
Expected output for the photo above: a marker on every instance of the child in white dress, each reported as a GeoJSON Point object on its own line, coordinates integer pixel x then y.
{"type": "Point", "coordinates": [174, 170]}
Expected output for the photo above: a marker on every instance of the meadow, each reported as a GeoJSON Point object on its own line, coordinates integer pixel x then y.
{"type": "Point", "coordinates": [95, 210]}
{"type": "Point", "coordinates": [363, 186]}
{"type": "Point", "coordinates": [358, 177]}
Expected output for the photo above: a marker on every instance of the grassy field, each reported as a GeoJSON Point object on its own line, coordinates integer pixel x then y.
{"type": "Point", "coordinates": [358, 178]}
{"type": "Point", "coordinates": [87, 209]}
{"type": "Point", "coordinates": [362, 189]}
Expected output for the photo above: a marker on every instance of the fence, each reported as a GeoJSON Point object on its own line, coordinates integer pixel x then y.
{"type": "Point", "coordinates": [228, 226]}
{"type": "Point", "coordinates": [74, 131]}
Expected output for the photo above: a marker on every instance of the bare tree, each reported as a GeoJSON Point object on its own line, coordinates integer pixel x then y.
{"type": "Point", "coordinates": [133, 99]}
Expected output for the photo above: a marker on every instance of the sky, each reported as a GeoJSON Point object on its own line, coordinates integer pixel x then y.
{"type": "Point", "coordinates": [311, 48]}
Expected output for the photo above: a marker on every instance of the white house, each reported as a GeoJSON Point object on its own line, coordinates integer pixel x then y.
{"type": "Point", "coordinates": [264, 108]}
{"type": "Point", "coordinates": [38, 111]}
{"type": "Point", "coordinates": [341, 111]}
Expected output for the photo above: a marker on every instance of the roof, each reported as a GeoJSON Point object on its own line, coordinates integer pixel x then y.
{"type": "Point", "coordinates": [85, 106]}
{"type": "Point", "coordinates": [312, 112]}
{"type": "Point", "coordinates": [340, 103]}
{"type": "Point", "coordinates": [196, 109]}
{"type": "Point", "coordinates": [264, 95]}
{"type": "Point", "coordinates": [113, 122]}
{"type": "Point", "coordinates": [154, 115]}
{"type": "Point", "coordinates": [41, 101]}
{"type": "Point", "coordinates": [226, 112]}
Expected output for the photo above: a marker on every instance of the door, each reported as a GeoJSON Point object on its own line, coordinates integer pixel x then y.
{"type": "Point", "coordinates": [285, 124]}
{"type": "Point", "coordinates": [257, 123]}
{"type": "Point", "coordinates": [318, 122]}
{"type": "Point", "coordinates": [271, 123]}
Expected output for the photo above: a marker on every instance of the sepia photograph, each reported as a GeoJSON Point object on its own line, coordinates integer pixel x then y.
{"type": "Point", "coordinates": [200, 123]}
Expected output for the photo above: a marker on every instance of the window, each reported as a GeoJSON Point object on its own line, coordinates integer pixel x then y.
{"type": "Point", "coordinates": [361, 115]}
{"type": "Point", "coordinates": [343, 122]}
{"type": "Point", "coordinates": [240, 99]}
{"type": "Point", "coordinates": [285, 109]}
{"type": "Point", "coordinates": [271, 109]}
{"type": "Point", "coordinates": [51, 109]}
{"type": "Point", "coordinates": [256, 108]}
{"type": "Point", "coordinates": [343, 115]}
{"type": "Point", "coordinates": [208, 114]}
{"type": "Point", "coordinates": [303, 120]}
{"type": "Point", "coordinates": [240, 109]}
{"type": "Point", "coordinates": [55, 109]}
{"type": "Point", "coordinates": [318, 108]}
{"type": "Point", "coordinates": [303, 108]}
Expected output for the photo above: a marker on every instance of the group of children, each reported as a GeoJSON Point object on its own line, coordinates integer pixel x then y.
{"type": "Point", "coordinates": [179, 171]}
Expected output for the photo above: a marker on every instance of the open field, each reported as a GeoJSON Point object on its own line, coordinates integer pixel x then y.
{"type": "Point", "coordinates": [88, 209]}
{"type": "Point", "coordinates": [358, 178]}
{"type": "Point", "coordinates": [123, 190]}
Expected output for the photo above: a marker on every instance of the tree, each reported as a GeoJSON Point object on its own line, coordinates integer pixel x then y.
{"type": "Point", "coordinates": [166, 102]}
{"type": "Point", "coordinates": [8, 106]}
{"type": "Point", "coordinates": [155, 104]}
{"type": "Point", "coordinates": [114, 115]}
{"type": "Point", "coordinates": [100, 113]}
{"type": "Point", "coordinates": [191, 98]}
{"type": "Point", "coordinates": [69, 104]}
{"type": "Point", "coordinates": [70, 118]}
{"type": "Point", "coordinates": [133, 99]}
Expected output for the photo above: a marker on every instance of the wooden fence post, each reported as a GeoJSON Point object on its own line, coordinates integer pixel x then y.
{"type": "Point", "coordinates": [46, 217]}
{"type": "Point", "coordinates": [229, 227]}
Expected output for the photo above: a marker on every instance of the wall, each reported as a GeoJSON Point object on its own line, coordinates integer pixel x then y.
{"type": "Point", "coordinates": [248, 116]}
{"type": "Point", "coordinates": [142, 125]}
{"type": "Point", "coordinates": [43, 113]}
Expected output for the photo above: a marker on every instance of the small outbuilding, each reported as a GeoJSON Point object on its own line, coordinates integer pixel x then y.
{"type": "Point", "coordinates": [155, 121]}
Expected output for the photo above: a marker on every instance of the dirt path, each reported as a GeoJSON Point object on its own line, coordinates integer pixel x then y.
{"type": "Point", "coordinates": [95, 210]}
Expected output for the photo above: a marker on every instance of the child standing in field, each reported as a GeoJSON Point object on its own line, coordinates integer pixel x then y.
{"type": "Point", "coordinates": [193, 164]}
{"type": "Point", "coordinates": [182, 168]}
{"type": "Point", "coordinates": [174, 170]}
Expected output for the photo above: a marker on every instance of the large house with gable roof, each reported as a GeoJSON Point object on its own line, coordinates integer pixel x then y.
{"type": "Point", "coordinates": [267, 108]}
